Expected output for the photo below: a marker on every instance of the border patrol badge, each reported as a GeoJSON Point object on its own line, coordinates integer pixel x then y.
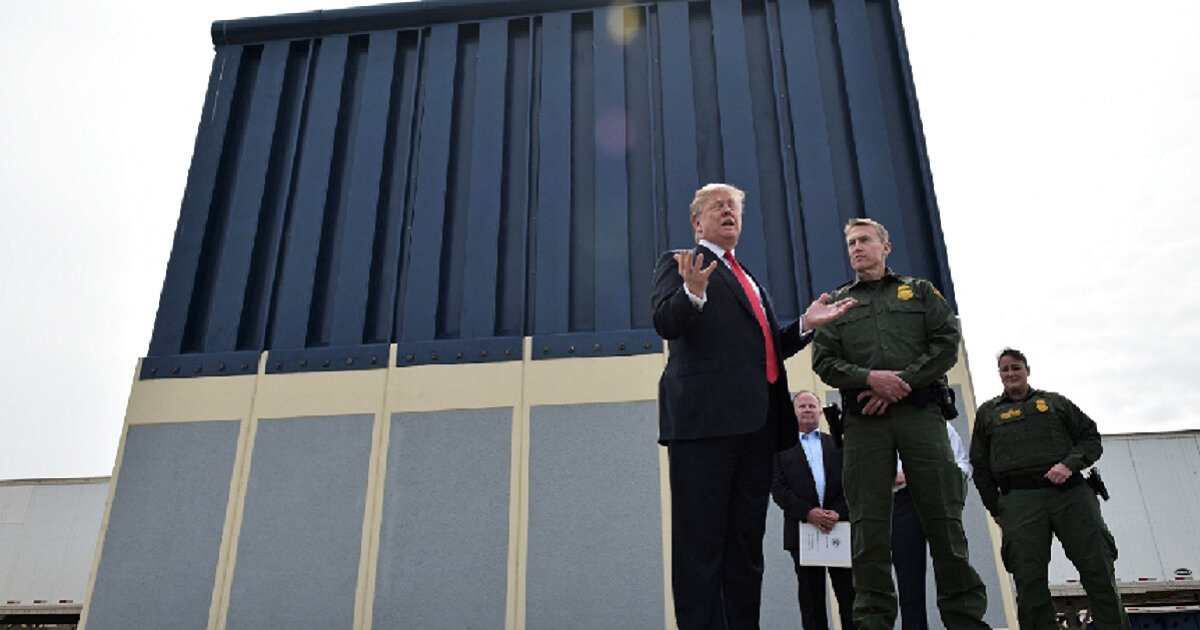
{"type": "Point", "coordinates": [1042, 406]}
{"type": "Point", "coordinates": [904, 292]}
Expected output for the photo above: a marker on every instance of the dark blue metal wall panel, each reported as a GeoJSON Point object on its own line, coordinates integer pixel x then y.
{"type": "Point", "coordinates": [810, 141]}
{"type": "Point", "coordinates": [353, 270]}
{"type": "Point", "coordinates": [737, 128]}
{"type": "Point", "coordinates": [307, 211]}
{"type": "Point", "coordinates": [552, 221]}
{"type": "Point", "coordinates": [486, 183]}
{"type": "Point", "coordinates": [395, 190]}
{"type": "Point", "coordinates": [871, 143]}
{"type": "Point", "coordinates": [252, 161]}
{"type": "Point", "coordinates": [180, 290]}
{"type": "Point", "coordinates": [678, 120]}
{"type": "Point", "coordinates": [611, 260]}
{"type": "Point", "coordinates": [470, 171]}
{"type": "Point", "coordinates": [418, 319]}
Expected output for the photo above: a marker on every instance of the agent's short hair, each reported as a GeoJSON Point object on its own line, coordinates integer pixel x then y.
{"type": "Point", "coordinates": [879, 229]}
{"type": "Point", "coordinates": [708, 190]}
{"type": "Point", "coordinates": [1014, 354]}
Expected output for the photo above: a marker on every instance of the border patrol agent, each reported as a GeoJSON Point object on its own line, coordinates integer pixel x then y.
{"type": "Point", "coordinates": [1029, 447]}
{"type": "Point", "coordinates": [886, 356]}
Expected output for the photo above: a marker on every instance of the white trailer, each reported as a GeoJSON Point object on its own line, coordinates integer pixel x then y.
{"type": "Point", "coordinates": [48, 532]}
{"type": "Point", "coordinates": [1153, 480]}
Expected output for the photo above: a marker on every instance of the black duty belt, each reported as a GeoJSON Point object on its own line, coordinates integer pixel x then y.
{"type": "Point", "coordinates": [916, 398]}
{"type": "Point", "coordinates": [1035, 482]}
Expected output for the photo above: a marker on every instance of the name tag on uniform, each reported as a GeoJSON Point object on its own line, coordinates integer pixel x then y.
{"type": "Point", "coordinates": [829, 550]}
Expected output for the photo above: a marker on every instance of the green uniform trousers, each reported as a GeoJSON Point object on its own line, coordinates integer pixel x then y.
{"type": "Point", "coordinates": [938, 491]}
{"type": "Point", "coordinates": [1028, 518]}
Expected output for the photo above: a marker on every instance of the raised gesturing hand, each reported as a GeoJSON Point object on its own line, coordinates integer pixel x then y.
{"type": "Point", "coordinates": [820, 313]}
{"type": "Point", "coordinates": [694, 276]}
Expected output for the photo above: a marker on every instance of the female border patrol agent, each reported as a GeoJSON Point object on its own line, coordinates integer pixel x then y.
{"type": "Point", "coordinates": [1028, 448]}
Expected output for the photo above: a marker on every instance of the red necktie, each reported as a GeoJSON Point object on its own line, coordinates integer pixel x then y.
{"type": "Point", "coordinates": [772, 362]}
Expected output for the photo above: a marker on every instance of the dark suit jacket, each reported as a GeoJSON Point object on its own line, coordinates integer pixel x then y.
{"type": "Point", "coordinates": [715, 381]}
{"type": "Point", "coordinates": [796, 492]}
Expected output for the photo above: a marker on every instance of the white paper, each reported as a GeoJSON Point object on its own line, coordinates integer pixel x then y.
{"type": "Point", "coordinates": [819, 548]}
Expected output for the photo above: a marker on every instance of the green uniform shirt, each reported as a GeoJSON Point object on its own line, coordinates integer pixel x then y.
{"type": "Point", "coordinates": [1028, 437]}
{"type": "Point", "coordinates": [900, 323]}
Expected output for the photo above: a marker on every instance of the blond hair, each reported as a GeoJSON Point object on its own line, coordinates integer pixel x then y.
{"type": "Point", "coordinates": [708, 190]}
{"type": "Point", "coordinates": [879, 229]}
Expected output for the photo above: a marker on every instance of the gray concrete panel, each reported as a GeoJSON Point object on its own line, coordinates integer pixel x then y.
{"type": "Point", "coordinates": [780, 609]}
{"type": "Point", "coordinates": [443, 545]}
{"type": "Point", "coordinates": [158, 564]}
{"type": "Point", "coordinates": [298, 551]}
{"type": "Point", "coordinates": [595, 542]}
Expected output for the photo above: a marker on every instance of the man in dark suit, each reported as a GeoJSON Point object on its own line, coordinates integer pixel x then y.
{"type": "Point", "coordinates": [723, 411]}
{"type": "Point", "coordinates": [808, 486]}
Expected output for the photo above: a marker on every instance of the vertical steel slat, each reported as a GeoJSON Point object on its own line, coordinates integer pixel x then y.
{"type": "Point", "coordinates": [678, 121]}
{"type": "Point", "coordinates": [349, 301]}
{"type": "Point", "coordinates": [644, 167]}
{"type": "Point", "coordinates": [291, 313]}
{"type": "Point", "coordinates": [553, 212]}
{"type": "Point", "coordinates": [737, 131]}
{"type": "Point", "coordinates": [486, 188]}
{"type": "Point", "coordinates": [872, 147]}
{"type": "Point", "coordinates": [269, 242]}
{"type": "Point", "coordinates": [922, 171]}
{"type": "Point", "coordinates": [422, 294]}
{"type": "Point", "coordinates": [179, 286]}
{"type": "Point", "coordinates": [516, 261]}
{"type": "Point", "coordinates": [795, 265]}
{"type": "Point", "coordinates": [393, 243]}
{"type": "Point", "coordinates": [810, 141]}
{"type": "Point", "coordinates": [611, 264]}
{"type": "Point", "coordinates": [771, 202]}
{"type": "Point", "coordinates": [241, 226]}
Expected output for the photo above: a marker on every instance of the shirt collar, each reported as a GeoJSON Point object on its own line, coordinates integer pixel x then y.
{"type": "Point", "coordinates": [1004, 397]}
{"type": "Point", "coordinates": [814, 435]}
{"type": "Point", "coordinates": [717, 249]}
{"type": "Point", "coordinates": [887, 273]}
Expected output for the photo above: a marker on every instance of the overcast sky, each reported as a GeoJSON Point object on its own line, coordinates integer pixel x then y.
{"type": "Point", "coordinates": [1064, 138]}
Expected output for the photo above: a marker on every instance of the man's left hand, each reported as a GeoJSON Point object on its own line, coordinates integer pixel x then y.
{"type": "Point", "coordinates": [1058, 474]}
{"type": "Point", "coordinates": [873, 403]}
{"type": "Point", "coordinates": [819, 313]}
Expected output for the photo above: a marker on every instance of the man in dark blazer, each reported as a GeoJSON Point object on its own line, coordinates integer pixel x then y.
{"type": "Point", "coordinates": [817, 499]}
{"type": "Point", "coordinates": [723, 411]}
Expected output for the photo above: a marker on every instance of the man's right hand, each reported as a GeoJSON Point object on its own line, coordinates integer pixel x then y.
{"type": "Point", "coordinates": [695, 277]}
{"type": "Point", "coordinates": [823, 520]}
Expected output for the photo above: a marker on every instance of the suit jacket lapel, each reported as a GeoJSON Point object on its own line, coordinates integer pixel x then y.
{"type": "Point", "coordinates": [766, 299]}
{"type": "Point", "coordinates": [827, 448]}
{"type": "Point", "coordinates": [726, 274]}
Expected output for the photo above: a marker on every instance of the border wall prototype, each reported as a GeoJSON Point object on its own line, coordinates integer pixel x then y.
{"type": "Point", "coordinates": [403, 372]}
